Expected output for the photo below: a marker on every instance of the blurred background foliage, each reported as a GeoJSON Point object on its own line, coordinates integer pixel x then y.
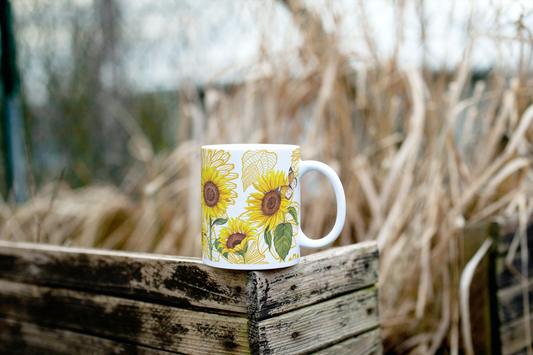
{"type": "Point", "coordinates": [71, 59]}
{"type": "Point", "coordinates": [421, 107]}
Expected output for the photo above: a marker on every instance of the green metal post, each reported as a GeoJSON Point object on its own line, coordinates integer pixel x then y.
{"type": "Point", "coordinates": [12, 124]}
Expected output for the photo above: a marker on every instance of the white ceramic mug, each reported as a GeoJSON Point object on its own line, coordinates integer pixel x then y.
{"type": "Point", "coordinates": [251, 206]}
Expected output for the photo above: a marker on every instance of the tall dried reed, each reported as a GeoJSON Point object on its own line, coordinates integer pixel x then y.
{"type": "Point", "coordinates": [421, 153]}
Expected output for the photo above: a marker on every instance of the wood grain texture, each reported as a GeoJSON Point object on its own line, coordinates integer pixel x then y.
{"type": "Point", "coordinates": [153, 325]}
{"type": "Point", "coordinates": [368, 343]}
{"type": "Point", "coordinates": [186, 282]}
{"type": "Point", "coordinates": [25, 338]}
{"type": "Point", "coordinates": [318, 277]}
{"type": "Point", "coordinates": [510, 302]}
{"type": "Point", "coordinates": [513, 336]}
{"type": "Point", "coordinates": [314, 327]}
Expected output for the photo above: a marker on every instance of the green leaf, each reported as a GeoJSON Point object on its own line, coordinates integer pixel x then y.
{"type": "Point", "coordinates": [283, 239]}
{"type": "Point", "coordinates": [268, 237]}
{"type": "Point", "coordinates": [244, 249]}
{"type": "Point", "coordinates": [220, 248]}
{"type": "Point", "coordinates": [220, 221]}
{"type": "Point", "coordinates": [294, 214]}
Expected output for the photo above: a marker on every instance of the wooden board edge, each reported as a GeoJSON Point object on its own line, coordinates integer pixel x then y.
{"type": "Point", "coordinates": [317, 278]}
{"type": "Point", "coordinates": [170, 280]}
{"type": "Point", "coordinates": [4, 244]}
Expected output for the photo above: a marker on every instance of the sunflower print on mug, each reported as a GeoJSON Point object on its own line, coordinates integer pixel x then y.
{"type": "Point", "coordinates": [218, 191]}
{"type": "Point", "coordinates": [206, 248]}
{"type": "Point", "coordinates": [254, 255]}
{"type": "Point", "coordinates": [235, 238]}
{"type": "Point", "coordinates": [270, 208]}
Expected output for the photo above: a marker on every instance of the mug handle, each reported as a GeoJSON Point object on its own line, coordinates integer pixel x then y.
{"type": "Point", "coordinates": [306, 166]}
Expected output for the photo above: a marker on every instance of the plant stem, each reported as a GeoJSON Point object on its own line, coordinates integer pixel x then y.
{"type": "Point", "coordinates": [244, 257]}
{"type": "Point", "coordinates": [210, 242]}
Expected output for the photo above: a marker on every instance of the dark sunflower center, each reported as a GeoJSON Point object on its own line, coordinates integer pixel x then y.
{"type": "Point", "coordinates": [234, 240]}
{"type": "Point", "coordinates": [211, 194]}
{"type": "Point", "coordinates": [271, 203]}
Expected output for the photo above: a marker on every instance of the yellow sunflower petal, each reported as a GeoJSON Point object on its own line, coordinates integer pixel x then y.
{"type": "Point", "coordinates": [216, 170]}
{"type": "Point", "coordinates": [236, 226]}
{"type": "Point", "coordinates": [254, 209]}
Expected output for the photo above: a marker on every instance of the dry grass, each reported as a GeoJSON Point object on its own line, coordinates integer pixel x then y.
{"type": "Point", "coordinates": [420, 154]}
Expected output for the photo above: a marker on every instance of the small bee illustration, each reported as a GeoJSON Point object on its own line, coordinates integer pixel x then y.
{"type": "Point", "coordinates": [287, 190]}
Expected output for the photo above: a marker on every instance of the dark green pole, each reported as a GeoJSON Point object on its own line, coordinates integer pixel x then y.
{"type": "Point", "coordinates": [12, 124]}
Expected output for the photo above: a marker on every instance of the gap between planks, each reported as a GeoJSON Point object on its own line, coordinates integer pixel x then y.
{"type": "Point", "coordinates": [184, 282]}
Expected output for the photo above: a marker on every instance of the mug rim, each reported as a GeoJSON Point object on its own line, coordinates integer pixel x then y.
{"type": "Point", "coordinates": [247, 146]}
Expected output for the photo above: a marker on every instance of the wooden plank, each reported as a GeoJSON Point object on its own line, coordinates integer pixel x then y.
{"type": "Point", "coordinates": [314, 327]}
{"type": "Point", "coordinates": [182, 281]}
{"type": "Point", "coordinates": [368, 343]}
{"type": "Point", "coordinates": [26, 338]}
{"type": "Point", "coordinates": [318, 277]}
{"type": "Point", "coordinates": [510, 302]}
{"type": "Point", "coordinates": [483, 318]}
{"type": "Point", "coordinates": [513, 336]}
{"type": "Point", "coordinates": [153, 325]}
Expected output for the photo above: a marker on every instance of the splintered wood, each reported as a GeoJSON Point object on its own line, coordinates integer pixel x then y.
{"type": "Point", "coordinates": [66, 300]}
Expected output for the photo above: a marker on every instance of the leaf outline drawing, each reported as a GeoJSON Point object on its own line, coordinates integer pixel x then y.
{"type": "Point", "coordinates": [256, 162]}
{"type": "Point", "coordinates": [295, 161]}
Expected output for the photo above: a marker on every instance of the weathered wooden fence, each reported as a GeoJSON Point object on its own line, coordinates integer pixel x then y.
{"type": "Point", "coordinates": [84, 301]}
{"type": "Point", "coordinates": [497, 311]}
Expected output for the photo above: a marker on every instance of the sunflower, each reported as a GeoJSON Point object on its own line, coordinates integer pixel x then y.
{"type": "Point", "coordinates": [235, 237]}
{"type": "Point", "coordinates": [267, 207]}
{"type": "Point", "coordinates": [217, 188]}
